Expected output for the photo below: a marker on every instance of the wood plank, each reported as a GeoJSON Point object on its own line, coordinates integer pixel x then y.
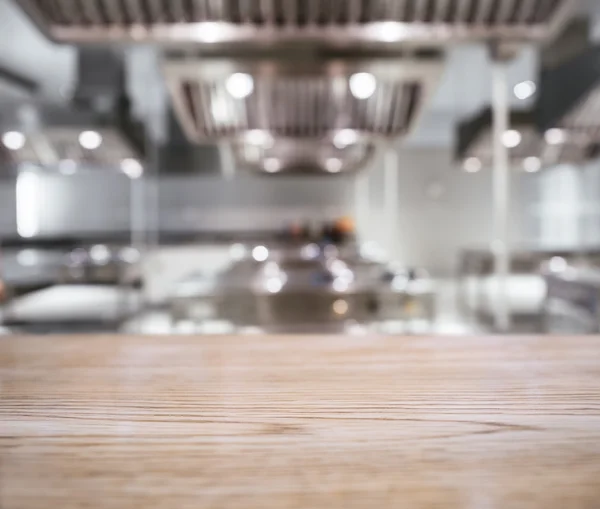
{"type": "Point", "coordinates": [299, 422]}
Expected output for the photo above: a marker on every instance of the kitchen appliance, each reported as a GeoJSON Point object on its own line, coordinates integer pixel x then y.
{"type": "Point", "coordinates": [313, 287]}
{"type": "Point", "coordinates": [266, 22]}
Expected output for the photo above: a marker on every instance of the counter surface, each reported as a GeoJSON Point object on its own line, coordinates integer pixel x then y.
{"type": "Point", "coordinates": [299, 422]}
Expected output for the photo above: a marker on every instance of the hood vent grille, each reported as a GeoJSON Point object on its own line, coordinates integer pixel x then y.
{"type": "Point", "coordinates": [296, 108]}
{"type": "Point", "coordinates": [425, 21]}
{"type": "Point", "coordinates": [299, 104]}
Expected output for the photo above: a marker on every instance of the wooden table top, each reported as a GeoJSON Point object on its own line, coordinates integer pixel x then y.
{"type": "Point", "coordinates": [299, 422]}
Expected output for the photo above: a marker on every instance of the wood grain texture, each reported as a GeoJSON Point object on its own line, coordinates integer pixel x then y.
{"type": "Point", "coordinates": [299, 422]}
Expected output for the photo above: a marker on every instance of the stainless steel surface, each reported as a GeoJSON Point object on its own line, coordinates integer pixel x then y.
{"type": "Point", "coordinates": [574, 150]}
{"type": "Point", "coordinates": [293, 155]}
{"type": "Point", "coordinates": [306, 286]}
{"type": "Point", "coordinates": [572, 303]}
{"type": "Point", "coordinates": [583, 119]}
{"type": "Point", "coordinates": [68, 153]}
{"type": "Point", "coordinates": [336, 22]}
{"type": "Point", "coordinates": [297, 99]}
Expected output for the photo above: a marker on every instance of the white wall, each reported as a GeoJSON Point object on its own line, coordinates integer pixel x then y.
{"type": "Point", "coordinates": [441, 209]}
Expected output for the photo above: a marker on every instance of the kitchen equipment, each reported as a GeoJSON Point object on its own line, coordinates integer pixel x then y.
{"type": "Point", "coordinates": [268, 22]}
{"type": "Point", "coordinates": [312, 287]}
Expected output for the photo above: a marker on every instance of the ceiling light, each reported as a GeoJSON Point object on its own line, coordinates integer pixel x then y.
{"type": "Point", "coordinates": [472, 165]}
{"type": "Point", "coordinates": [524, 90]}
{"type": "Point", "coordinates": [389, 31]}
{"type": "Point", "coordinates": [210, 32]}
{"type": "Point", "coordinates": [272, 165]}
{"type": "Point", "coordinates": [259, 137]}
{"type": "Point", "coordinates": [511, 138]}
{"type": "Point", "coordinates": [132, 168]}
{"type": "Point", "coordinates": [13, 140]}
{"type": "Point", "coordinates": [240, 85]}
{"type": "Point", "coordinates": [363, 85]}
{"type": "Point", "coordinates": [344, 138]}
{"type": "Point", "coordinates": [67, 167]}
{"type": "Point", "coordinates": [90, 140]}
{"type": "Point", "coordinates": [532, 164]}
{"type": "Point", "coordinates": [555, 136]}
{"type": "Point", "coordinates": [333, 165]}
{"type": "Point", "coordinates": [260, 253]}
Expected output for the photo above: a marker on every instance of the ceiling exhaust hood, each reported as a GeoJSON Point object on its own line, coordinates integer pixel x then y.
{"type": "Point", "coordinates": [528, 149]}
{"type": "Point", "coordinates": [332, 22]}
{"type": "Point", "coordinates": [95, 129]}
{"type": "Point", "coordinates": [340, 102]}
{"type": "Point", "coordinates": [288, 156]}
{"type": "Point", "coordinates": [570, 96]}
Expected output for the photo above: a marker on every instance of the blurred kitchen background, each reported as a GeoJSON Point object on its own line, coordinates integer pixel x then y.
{"type": "Point", "coordinates": [413, 166]}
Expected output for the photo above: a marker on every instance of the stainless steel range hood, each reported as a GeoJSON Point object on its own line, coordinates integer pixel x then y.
{"type": "Point", "coordinates": [529, 150]}
{"type": "Point", "coordinates": [334, 22]}
{"type": "Point", "coordinates": [94, 129]}
{"type": "Point", "coordinates": [570, 96]}
{"type": "Point", "coordinates": [290, 156]}
{"type": "Point", "coordinates": [260, 101]}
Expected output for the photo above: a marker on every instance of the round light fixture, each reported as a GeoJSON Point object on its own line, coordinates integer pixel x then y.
{"type": "Point", "coordinates": [13, 140]}
{"type": "Point", "coordinates": [239, 85]}
{"type": "Point", "coordinates": [524, 90]}
{"type": "Point", "coordinates": [511, 138]}
{"type": "Point", "coordinates": [211, 32]}
{"type": "Point", "coordinates": [389, 31]}
{"type": "Point", "coordinates": [260, 253]}
{"type": "Point", "coordinates": [532, 164]}
{"type": "Point", "coordinates": [363, 85]}
{"type": "Point", "coordinates": [472, 165]}
{"type": "Point", "coordinates": [272, 165]}
{"type": "Point", "coordinates": [132, 168]}
{"type": "Point", "coordinates": [333, 165]}
{"type": "Point", "coordinates": [90, 140]}
{"type": "Point", "coordinates": [555, 136]}
{"type": "Point", "coordinates": [344, 138]}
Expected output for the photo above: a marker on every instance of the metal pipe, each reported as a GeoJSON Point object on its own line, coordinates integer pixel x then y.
{"type": "Point", "coordinates": [501, 195]}
{"type": "Point", "coordinates": [391, 202]}
{"type": "Point", "coordinates": [227, 160]}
